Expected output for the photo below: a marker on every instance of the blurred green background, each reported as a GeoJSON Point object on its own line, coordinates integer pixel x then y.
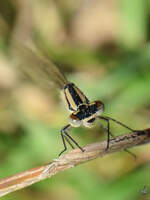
{"type": "Point", "coordinates": [104, 48]}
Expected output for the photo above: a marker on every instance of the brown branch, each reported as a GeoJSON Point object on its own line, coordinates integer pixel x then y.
{"type": "Point", "coordinates": [71, 159]}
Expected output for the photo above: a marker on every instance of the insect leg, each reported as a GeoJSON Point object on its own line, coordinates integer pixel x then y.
{"type": "Point", "coordinates": [64, 143]}
{"type": "Point", "coordinates": [105, 128]}
{"type": "Point", "coordinates": [132, 154]}
{"type": "Point", "coordinates": [108, 131]}
{"type": "Point", "coordinates": [65, 137]}
{"type": "Point", "coordinates": [116, 121]}
{"type": "Point", "coordinates": [69, 142]}
{"type": "Point", "coordinates": [74, 141]}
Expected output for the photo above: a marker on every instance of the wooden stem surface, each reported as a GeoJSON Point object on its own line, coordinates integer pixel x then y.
{"type": "Point", "coordinates": [71, 159]}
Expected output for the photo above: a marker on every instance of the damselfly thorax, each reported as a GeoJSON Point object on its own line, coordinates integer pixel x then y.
{"type": "Point", "coordinates": [83, 112]}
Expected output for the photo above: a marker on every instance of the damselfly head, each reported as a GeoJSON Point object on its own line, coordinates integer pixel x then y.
{"type": "Point", "coordinates": [95, 109]}
{"type": "Point", "coordinates": [86, 114]}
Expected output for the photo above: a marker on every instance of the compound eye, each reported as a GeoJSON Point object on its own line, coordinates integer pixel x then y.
{"type": "Point", "coordinates": [100, 107]}
{"type": "Point", "coordinates": [99, 104]}
{"type": "Point", "coordinates": [74, 120]}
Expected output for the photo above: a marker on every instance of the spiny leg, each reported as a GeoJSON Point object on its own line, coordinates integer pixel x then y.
{"type": "Point", "coordinates": [64, 143]}
{"type": "Point", "coordinates": [69, 142]}
{"type": "Point", "coordinates": [108, 130]}
{"type": "Point", "coordinates": [116, 121]}
{"type": "Point", "coordinates": [125, 126]}
{"type": "Point", "coordinates": [74, 141]}
{"type": "Point", "coordinates": [66, 136]}
{"type": "Point", "coordinates": [105, 128]}
{"type": "Point", "coordinates": [132, 154]}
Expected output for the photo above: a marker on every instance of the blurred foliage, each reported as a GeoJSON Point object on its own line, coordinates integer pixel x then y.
{"type": "Point", "coordinates": [103, 47]}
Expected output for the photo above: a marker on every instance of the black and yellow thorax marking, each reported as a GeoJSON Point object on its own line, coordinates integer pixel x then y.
{"type": "Point", "coordinates": [74, 97]}
{"type": "Point", "coordinates": [83, 112]}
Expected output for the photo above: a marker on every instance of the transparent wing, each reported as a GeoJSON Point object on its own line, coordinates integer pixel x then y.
{"type": "Point", "coordinates": [38, 69]}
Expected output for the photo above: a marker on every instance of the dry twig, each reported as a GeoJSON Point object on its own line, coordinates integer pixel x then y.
{"type": "Point", "coordinates": [71, 159]}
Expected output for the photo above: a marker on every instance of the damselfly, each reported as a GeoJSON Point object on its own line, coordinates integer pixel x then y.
{"type": "Point", "coordinates": [82, 111]}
